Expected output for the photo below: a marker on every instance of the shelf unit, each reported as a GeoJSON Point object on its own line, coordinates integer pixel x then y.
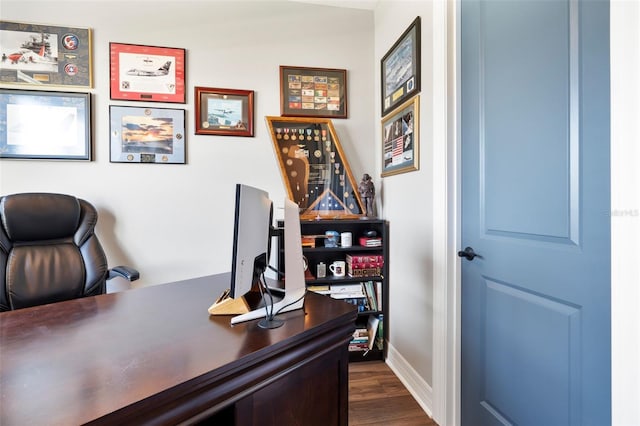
{"type": "Point", "coordinates": [320, 253]}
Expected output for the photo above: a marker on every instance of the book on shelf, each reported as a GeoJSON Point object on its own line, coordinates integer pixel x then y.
{"type": "Point", "coordinates": [365, 295]}
{"type": "Point", "coordinates": [360, 340]}
{"type": "Point", "coordinates": [380, 335]}
{"type": "Point", "coordinates": [379, 295]}
{"type": "Point", "coordinates": [318, 288]}
{"type": "Point", "coordinates": [360, 302]}
{"type": "Point", "coordinates": [370, 241]}
{"type": "Point", "coordinates": [364, 339]}
{"type": "Point", "coordinates": [364, 265]}
{"type": "Point", "coordinates": [346, 288]}
{"type": "Point", "coordinates": [360, 334]}
{"type": "Point", "coordinates": [371, 295]}
{"type": "Point", "coordinates": [372, 329]}
{"type": "Point", "coordinates": [339, 291]}
{"type": "Point", "coordinates": [358, 347]}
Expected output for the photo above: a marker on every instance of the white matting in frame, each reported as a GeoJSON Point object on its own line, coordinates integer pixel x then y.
{"type": "Point", "coordinates": [147, 135]}
{"type": "Point", "coordinates": [45, 125]}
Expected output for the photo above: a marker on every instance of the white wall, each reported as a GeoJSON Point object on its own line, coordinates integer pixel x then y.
{"type": "Point", "coordinates": [175, 221]}
{"type": "Point", "coordinates": [407, 202]}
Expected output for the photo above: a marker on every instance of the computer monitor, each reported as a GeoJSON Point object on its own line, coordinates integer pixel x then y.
{"type": "Point", "coordinates": [292, 296]}
{"type": "Point", "coordinates": [251, 238]}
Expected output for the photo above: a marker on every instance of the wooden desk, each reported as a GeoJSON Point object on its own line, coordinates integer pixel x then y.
{"type": "Point", "coordinates": [154, 356]}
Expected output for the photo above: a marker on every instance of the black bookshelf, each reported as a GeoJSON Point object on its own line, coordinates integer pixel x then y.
{"type": "Point", "coordinates": [319, 253]}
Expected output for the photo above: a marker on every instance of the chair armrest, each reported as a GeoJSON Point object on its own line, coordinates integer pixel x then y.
{"type": "Point", "coordinates": [124, 272]}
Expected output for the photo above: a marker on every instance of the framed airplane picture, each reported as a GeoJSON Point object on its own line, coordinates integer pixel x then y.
{"type": "Point", "coordinates": [400, 69]}
{"type": "Point", "coordinates": [147, 73]}
{"type": "Point", "coordinates": [223, 112]}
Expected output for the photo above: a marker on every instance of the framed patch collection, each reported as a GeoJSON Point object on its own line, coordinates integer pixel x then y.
{"type": "Point", "coordinates": [313, 92]}
{"type": "Point", "coordinates": [147, 73]}
{"type": "Point", "coordinates": [147, 135]}
{"type": "Point", "coordinates": [224, 112]}
{"type": "Point", "coordinates": [314, 168]}
{"type": "Point", "coordinates": [45, 55]}
{"type": "Point", "coordinates": [45, 125]}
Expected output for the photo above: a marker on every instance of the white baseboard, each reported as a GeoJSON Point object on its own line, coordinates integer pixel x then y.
{"type": "Point", "coordinates": [417, 387]}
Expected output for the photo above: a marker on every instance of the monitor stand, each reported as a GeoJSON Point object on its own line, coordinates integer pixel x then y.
{"type": "Point", "coordinates": [294, 283]}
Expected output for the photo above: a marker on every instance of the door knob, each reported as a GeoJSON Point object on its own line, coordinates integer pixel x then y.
{"type": "Point", "coordinates": [468, 253]}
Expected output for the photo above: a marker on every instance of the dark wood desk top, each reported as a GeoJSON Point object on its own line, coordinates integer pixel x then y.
{"type": "Point", "coordinates": [77, 361]}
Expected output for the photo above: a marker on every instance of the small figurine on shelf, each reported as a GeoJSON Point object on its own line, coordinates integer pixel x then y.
{"type": "Point", "coordinates": [367, 192]}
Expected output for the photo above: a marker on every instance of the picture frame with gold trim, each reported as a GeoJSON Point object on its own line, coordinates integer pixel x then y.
{"type": "Point", "coordinates": [314, 168]}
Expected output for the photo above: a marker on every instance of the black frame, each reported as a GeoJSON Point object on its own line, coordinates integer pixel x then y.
{"type": "Point", "coordinates": [52, 113]}
{"type": "Point", "coordinates": [149, 121]}
{"type": "Point", "coordinates": [408, 85]}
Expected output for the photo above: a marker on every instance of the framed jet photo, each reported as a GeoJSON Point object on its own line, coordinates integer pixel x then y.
{"type": "Point", "coordinates": [223, 112]}
{"type": "Point", "coordinates": [147, 73]}
{"type": "Point", "coordinates": [400, 69]}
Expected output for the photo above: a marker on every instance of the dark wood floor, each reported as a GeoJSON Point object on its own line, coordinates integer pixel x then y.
{"type": "Point", "coordinates": [377, 397]}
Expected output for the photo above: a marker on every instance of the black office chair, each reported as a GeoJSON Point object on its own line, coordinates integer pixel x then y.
{"type": "Point", "coordinates": [49, 251]}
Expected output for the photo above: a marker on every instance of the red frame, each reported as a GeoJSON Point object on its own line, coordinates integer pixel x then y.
{"type": "Point", "coordinates": [116, 82]}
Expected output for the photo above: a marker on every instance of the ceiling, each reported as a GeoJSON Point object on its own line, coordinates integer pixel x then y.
{"type": "Point", "coordinates": [351, 4]}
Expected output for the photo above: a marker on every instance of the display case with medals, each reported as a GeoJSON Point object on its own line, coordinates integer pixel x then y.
{"type": "Point", "coordinates": [314, 168]}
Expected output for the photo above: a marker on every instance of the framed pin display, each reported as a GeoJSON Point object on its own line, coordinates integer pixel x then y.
{"type": "Point", "coordinates": [400, 139]}
{"type": "Point", "coordinates": [45, 55]}
{"type": "Point", "coordinates": [147, 135]}
{"type": "Point", "coordinates": [314, 168]}
{"type": "Point", "coordinates": [147, 73]}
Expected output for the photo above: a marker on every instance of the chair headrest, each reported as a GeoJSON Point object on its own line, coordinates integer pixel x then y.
{"type": "Point", "coordinates": [39, 216]}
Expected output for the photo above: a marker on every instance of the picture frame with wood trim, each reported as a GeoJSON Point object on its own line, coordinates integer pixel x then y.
{"type": "Point", "coordinates": [313, 92]}
{"type": "Point", "coordinates": [223, 112]}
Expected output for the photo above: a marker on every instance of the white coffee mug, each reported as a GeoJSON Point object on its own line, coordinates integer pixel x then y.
{"type": "Point", "coordinates": [346, 239]}
{"type": "Point", "coordinates": [337, 268]}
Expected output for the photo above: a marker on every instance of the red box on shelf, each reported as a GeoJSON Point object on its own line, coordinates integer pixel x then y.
{"type": "Point", "coordinates": [370, 241]}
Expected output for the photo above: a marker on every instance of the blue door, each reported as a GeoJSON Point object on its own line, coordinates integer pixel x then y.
{"type": "Point", "coordinates": [535, 212]}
